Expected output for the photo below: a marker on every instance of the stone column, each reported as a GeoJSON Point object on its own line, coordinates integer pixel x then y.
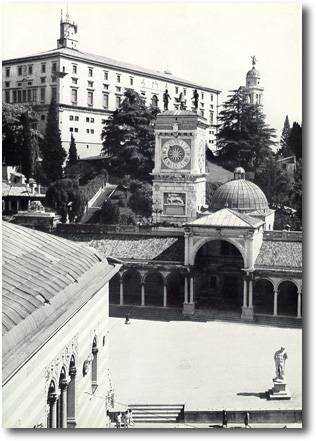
{"type": "Point", "coordinates": [143, 293]}
{"type": "Point", "coordinates": [52, 400]}
{"type": "Point", "coordinates": [63, 403]}
{"type": "Point", "coordinates": [245, 293]}
{"type": "Point", "coordinates": [17, 204]}
{"type": "Point", "coordinates": [164, 293]}
{"type": "Point", "coordinates": [275, 303]}
{"type": "Point", "coordinates": [191, 289]}
{"type": "Point", "coordinates": [9, 205]}
{"type": "Point", "coordinates": [186, 248]}
{"type": "Point", "coordinates": [121, 290]}
{"type": "Point", "coordinates": [250, 294]}
{"type": "Point", "coordinates": [299, 304]}
{"type": "Point", "coordinates": [186, 291]}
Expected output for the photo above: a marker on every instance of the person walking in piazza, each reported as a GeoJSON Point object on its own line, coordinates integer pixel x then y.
{"type": "Point", "coordinates": [246, 420]}
{"type": "Point", "coordinates": [118, 420]}
{"type": "Point", "coordinates": [125, 419]}
{"type": "Point", "coordinates": [130, 417]}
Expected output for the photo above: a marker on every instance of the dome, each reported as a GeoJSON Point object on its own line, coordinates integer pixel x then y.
{"type": "Point", "coordinates": [253, 73]}
{"type": "Point", "coordinates": [239, 194]}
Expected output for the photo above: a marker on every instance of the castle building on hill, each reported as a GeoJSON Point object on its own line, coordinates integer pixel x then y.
{"type": "Point", "coordinates": [88, 88]}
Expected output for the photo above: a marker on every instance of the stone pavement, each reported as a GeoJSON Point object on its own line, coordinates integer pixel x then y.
{"type": "Point", "coordinates": [205, 426]}
{"type": "Point", "coordinates": [206, 366]}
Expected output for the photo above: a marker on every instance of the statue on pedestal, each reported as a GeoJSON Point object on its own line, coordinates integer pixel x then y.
{"type": "Point", "coordinates": [195, 99]}
{"type": "Point", "coordinates": [166, 98]}
{"type": "Point", "coordinates": [279, 358]}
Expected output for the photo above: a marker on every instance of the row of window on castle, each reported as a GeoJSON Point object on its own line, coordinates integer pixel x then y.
{"type": "Point", "coordinates": [28, 69]}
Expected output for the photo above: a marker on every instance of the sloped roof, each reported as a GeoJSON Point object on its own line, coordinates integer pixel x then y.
{"type": "Point", "coordinates": [135, 247]}
{"type": "Point", "coordinates": [110, 62]}
{"type": "Point", "coordinates": [37, 266]}
{"type": "Point", "coordinates": [18, 190]}
{"type": "Point", "coordinates": [45, 280]}
{"type": "Point", "coordinates": [280, 255]}
{"type": "Point", "coordinates": [227, 218]}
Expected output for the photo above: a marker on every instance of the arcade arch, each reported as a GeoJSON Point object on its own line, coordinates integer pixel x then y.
{"type": "Point", "coordinates": [218, 276]}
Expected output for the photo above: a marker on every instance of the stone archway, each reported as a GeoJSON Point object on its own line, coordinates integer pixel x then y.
{"type": "Point", "coordinates": [218, 276]}
{"type": "Point", "coordinates": [287, 298]}
{"type": "Point", "coordinates": [132, 287]}
{"type": "Point", "coordinates": [154, 284]}
{"type": "Point", "coordinates": [175, 284]}
{"type": "Point", "coordinates": [263, 297]}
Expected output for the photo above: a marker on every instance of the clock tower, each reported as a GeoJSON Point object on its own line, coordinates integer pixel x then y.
{"type": "Point", "coordinates": [68, 33]}
{"type": "Point", "coordinates": [179, 173]}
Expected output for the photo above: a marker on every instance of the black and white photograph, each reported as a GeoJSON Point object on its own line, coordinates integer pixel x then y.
{"type": "Point", "coordinates": [152, 215]}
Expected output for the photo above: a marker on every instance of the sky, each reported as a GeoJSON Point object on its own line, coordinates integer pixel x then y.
{"type": "Point", "coordinates": [206, 42]}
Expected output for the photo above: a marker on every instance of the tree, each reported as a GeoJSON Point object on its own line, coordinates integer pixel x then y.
{"type": "Point", "coordinates": [109, 213]}
{"type": "Point", "coordinates": [243, 137]}
{"type": "Point", "coordinates": [284, 141]}
{"type": "Point", "coordinates": [64, 196]}
{"type": "Point", "coordinates": [28, 154]}
{"type": "Point", "coordinates": [52, 150]}
{"type": "Point", "coordinates": [128, 138]}
{"type": "Point", "coordinates": [72, 155]}
{"type": "Point", "coordinates": [141, 200]}
{"type": "Point", "coordinates": [295, 141]}
{"type": "Point", "coordinates": [13, 132]}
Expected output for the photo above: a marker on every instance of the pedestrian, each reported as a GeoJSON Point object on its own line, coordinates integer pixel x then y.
{"type": "Point", "coordinates": [246, 420]}
{"type": "Point", "coordinates": [224, 419]}
{"type": "Point", "coordinates": [118, 420]}
{"type": "Point", "coordinates": [130, 417]}
{"type": "Point", "coordinates": [125, 419]}
{"type": "Point", "coordinates": [127, 322]}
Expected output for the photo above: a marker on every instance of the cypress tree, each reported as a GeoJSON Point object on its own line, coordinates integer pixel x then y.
{"type": "Point", "coordinates": [295, 141]}
{"type": "Point", "coordinates": [72, 154]}
{"type": "Point", "coordinates": [284, 141]}
{"type": "Point", "coordinates": [28, 152]}
{"type": "Point", "coordinates": [52, 150]}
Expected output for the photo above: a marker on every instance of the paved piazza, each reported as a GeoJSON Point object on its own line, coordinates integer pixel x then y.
{"type": "Point", "coordinates": [212, 365]}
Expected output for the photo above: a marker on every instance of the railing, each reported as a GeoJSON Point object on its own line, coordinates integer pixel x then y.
{"type": "Point", "coordinates": [289, 236]}
{"type": "Point", "coordinates": [104, 229]}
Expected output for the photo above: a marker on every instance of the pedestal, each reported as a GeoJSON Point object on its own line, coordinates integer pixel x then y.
{"type": "Point", "coordinates": [188, 308]}
{"type": "Point", "coordinates": [247, 313]}
{"type": "Point", "coordinates": [280, 391]}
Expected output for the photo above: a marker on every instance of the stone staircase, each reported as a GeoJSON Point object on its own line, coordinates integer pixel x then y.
{"type": "Point", "coordinates": [157, 413]}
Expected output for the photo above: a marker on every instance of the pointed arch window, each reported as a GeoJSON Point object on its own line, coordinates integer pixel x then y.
{"type": "Point", "coordinates": [94, 367]}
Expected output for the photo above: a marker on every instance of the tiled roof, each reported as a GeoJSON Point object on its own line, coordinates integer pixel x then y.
{"type": "Point", "coordinates": [36, 267]}
{"type": "Point", "coordinates": [135, 247]}
{"type": "Point", "coordinates": [110, 62]}
{"type": "Point", "coordinates": [280, 255]}
{"type": "Point", "coordinates": [18, 190]}
{"type": "Point", "coordinates": [226, 218]}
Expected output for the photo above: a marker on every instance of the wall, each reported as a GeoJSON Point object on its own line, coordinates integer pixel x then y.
{"type": "Point", "coordinates": [25, 395]}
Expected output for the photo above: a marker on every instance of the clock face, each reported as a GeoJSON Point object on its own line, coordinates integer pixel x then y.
{"type": "Point", "coordinates": [176, 153]}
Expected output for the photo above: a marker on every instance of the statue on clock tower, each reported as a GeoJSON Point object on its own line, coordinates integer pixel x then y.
{"type": "Point", "coordinates": [179, 173]}
{"type": "Point", "coordinates": [68, 32]}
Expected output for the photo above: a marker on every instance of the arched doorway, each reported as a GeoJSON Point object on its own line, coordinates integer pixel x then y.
{"type": "Point", "coordinates": [175, 286]}
{"type": "Point", "coordinates": [132, 287]}
{"type": "Point", "coordinates": [154, 289]}
{"type": "Point", "coordinates": [218, 276]}
{"type": "Point", "coordinates": [287, 299]}
{"type": "Point", "coordinates": [263, 297]}
{"type": "Point", "coordinates": [114, 290]}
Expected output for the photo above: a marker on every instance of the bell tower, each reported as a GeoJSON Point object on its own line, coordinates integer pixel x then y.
{"type": "Point", "coordinates": [254, 90]}
{"type": "Point", "coordinates": [179, 174]}
{"type": "Point", "coordinates": [68, 33]}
